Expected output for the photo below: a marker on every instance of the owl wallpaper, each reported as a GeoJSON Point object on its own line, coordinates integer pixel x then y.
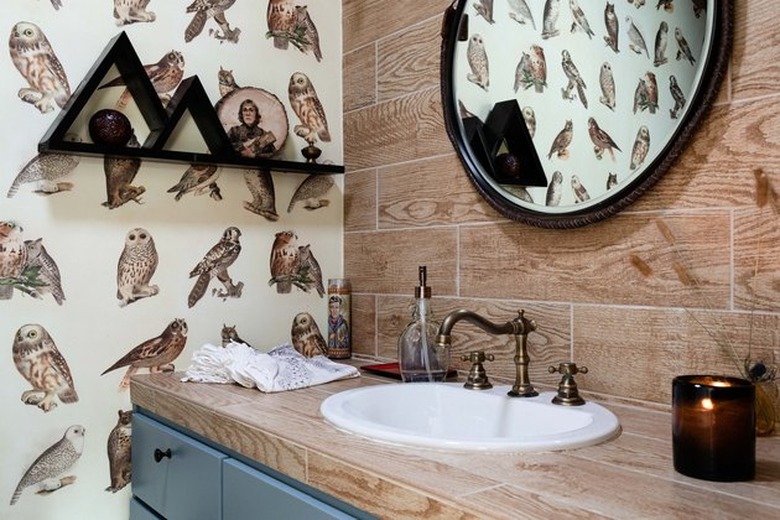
{"type": "Point", "coordinates": [113, 266]}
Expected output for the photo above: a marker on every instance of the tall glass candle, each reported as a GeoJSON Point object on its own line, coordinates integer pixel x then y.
{"type": "Point", "coordinates": [713, 427]}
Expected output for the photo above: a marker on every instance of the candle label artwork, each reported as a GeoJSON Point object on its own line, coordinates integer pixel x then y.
{"type": "Point", "coordinates": [339, 319]}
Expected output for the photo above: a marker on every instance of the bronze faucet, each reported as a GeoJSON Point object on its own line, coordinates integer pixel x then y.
{"type": "Point", "coordinates": [519, 327]}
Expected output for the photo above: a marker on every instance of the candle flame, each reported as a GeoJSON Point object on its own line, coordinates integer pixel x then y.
{"type": "Point", "coordinates": [706, 403]}
{"type": "Point", "coordinates": [720, 383]}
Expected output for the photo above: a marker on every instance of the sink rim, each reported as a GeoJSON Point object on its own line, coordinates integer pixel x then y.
{"type": "Point", "coordinates": [604, 425]}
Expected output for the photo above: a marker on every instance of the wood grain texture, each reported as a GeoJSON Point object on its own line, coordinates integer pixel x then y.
{"type": "Point", "coordinates": [360, 201]}
{"type": "Point", "coordinates": [363, 324]}
{"type": "Point", "coordinates": [359, 76]}
{"type": "Point", "coordinates": [754, 64]}
{"type": "Point", "coordinates": [756, 254]}
{"type": "Point", "coordinates": [409, 61]}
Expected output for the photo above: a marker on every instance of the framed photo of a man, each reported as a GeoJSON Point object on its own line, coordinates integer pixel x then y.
{"type": "Point", "coordinates": [254, 120]}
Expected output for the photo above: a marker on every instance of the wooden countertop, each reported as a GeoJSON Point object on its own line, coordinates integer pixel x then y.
{"type": "Point", "coordinates": [629, 477]}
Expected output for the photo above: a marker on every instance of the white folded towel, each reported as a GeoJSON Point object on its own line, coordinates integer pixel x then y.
{"type": "Point", "coordinates": [283, 368]}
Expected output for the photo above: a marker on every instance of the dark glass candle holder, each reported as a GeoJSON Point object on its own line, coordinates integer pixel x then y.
{"type": "Point", "coordinates": [714, 428]}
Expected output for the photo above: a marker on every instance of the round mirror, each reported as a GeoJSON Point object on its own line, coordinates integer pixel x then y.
{"type": "Point", "coordinates": [565, 111]}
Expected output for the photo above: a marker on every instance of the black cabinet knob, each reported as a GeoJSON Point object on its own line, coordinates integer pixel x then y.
{"type": "Point", "coordinates": [160, 454]}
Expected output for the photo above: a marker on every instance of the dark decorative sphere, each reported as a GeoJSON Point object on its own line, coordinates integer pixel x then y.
{"type": "Point", "coordinates": [110, 127]}
{"type": "Point", "coordinates": [508, 166]}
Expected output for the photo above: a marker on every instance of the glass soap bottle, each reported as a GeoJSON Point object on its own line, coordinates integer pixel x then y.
{"type": "Point", "coordinates": [419, 358]}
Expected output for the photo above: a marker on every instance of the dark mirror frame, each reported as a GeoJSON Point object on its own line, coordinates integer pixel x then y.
{"type": "Point", "coordinates": [711, 78]}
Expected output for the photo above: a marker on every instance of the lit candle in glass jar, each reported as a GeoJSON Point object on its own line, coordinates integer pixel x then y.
{"type": "Point", "coordinates": [713, 427]}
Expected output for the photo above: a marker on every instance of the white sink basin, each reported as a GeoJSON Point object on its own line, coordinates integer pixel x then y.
{"type": "Point", "coordinates": [447, 416]}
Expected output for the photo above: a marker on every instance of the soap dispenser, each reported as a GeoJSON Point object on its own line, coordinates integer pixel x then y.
{"type": "Point", "coordinates": [419, 357]}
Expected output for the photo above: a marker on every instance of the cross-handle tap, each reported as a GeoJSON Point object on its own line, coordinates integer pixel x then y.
{"type": "Point", "coordinates": [519, 327]}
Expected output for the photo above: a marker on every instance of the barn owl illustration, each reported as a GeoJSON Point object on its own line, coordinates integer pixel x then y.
{"type": "Point", "coordinates": [311, 192]}
{"type": "Point", "coordinates": [530, 120]}
{"type": "Point", "coordinates": [310, 268]}
{"type": "Point", "coordinates": [574, 79]}
{"type": "Point", "coordinates": [307, 106]}
{"type": "Point", "coordinates": [580, 193]}
{"type": "Point", "coordinates": [118, 448]}
{"type": "Point", "coordinates": [601, 140]}
{"type": "Point", "coordinates": [640, 148]}
{"type": "Point", "coordinates": [661, 40]}
{"type": "Point", "coordinates": [204, 11]}
{"type": "Point", "coordinates": [34, 57]}
{"type": "Point", "coordinates": [280, 17]}
{"type": "Point", "coordinates": [41, 364]}
{"type": "Point", "coordinates": [306, 336]}
{"type": "Point", "coordinates": [58, 458]}
{"type": "Point", "coordinates": [552, 9]}
{"type": "Point", "coordinates": [156, 354]}
{"type": "Point", "coordinates": [484, 8]}
{"type": "Point", "coordinates": [229, 334]}
{"type": "Point", "coordinates": [519, 12]}
{"type": "Point", "coordinates": [636, 42]}
{"type": "Point", "coordinates": [477, 57]}
{"type": "Point", "coordinates": [560, 145]}
{"type": "Point", "coordinates": [48, 272]}
{"type": "Point", "coordinates": [607, 83]}
{"type": "Point", "coordinates": [46, 169]}
{"type": "Point", "coordinates": [677, 95]}
{"type": "Point", "coordinates": [261, 187]}
{"type": "Point", "coordinates": [135, 268]}
{"type": "Point", "coordinates": [668, 5]}
{"type": "Point", "coordinates": [555, 189]}
{"type": "Point", "coordinates": [165, 75]}
{"type": "Point", "coordinates": [612, 25]}
{"type": "Point", "coordinates": [120, 172]}
{"type": "Point", "coordinates": [13, 257]}
{"type": "Point", "coordinates": [215, 265]}
{"type": "Point", "coordinates": [285, 260]}
{"type": "Point", "coordinates": [683, 50]}
{"type": "Point", "coordinates": [227, 82]}
{"type": "Point", "coordinates": [611, 180]}
{"type": "Point", "coordinates": [580, 20]}
{"type": "Point", "coordinates": [198, 179]}
{"type": "Point", "coordinates": [309, 37]}
{"type": "Point", "coordinates": [127, 12]}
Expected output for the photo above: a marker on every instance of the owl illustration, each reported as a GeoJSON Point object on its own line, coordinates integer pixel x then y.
{"type": "Point", "coordinates": [560, 145]}
{"type": "Point", "coordinates": [227, 82]}
{"type": "Point", "coordinates": [156, 354]}
{"type": "Point", "coordinates": [310, 268]}
{"type": "Point", "coordinates": [683, 50]}
{"type": "Point", "coordinates": [550, 15]}
{"type": "Point", "coordinates": [580, 21]}
{"type": "Point", "coordinates": [699, 7]}
{"type": "Point", "coordinates": [46, 169]}
{"type": "Point", "coordinates": [230, 335]}
{"type": "Point", "coordinates": [636, 42]}
{"type": "Point", "coordinates": [612, 25]}
{"type": "Point", "coordinates": [311, 192]}
{"type": "Point", "coordinates": [607, 83]}
{"type": "Point", "coordinates": [13, 257]}
{"type": "Point", "coordinates": [204, 11]}
{"type": "Point", "coordinates": [478, 62]}
{"type": "Point", "coordinates": [34, 58]}
{"type": "Point", "coordinates": [309, 38]}
{"type": "Point", "coordinates": [530, 120]}
{"type": "Point", "coordinates": [135, 268]}
{"type": "Point", "coordinates": [165, 76]}
{"type": "Point", "coordinates": [637, 3]}
{"type": "Point", "coordinates": [580, 193]}
{"type": "Point", "coordinates": [280, 17]}
{"type": "Point", "coordinates": [677, 95]}
{"type": "Point", "coordinates": [215, 264]}
{"type": "Point", "coordinates": [555, 189]}
{"type": "Point", "coordinates": [601, 140]}
{"type": "Point", "coordinates": [127, 12]}
{"type": "Point", "coordinates": [46, 268]}
{"type": "Point", "coordinates": [520, 192]}
{"type": "Point", "coordinates": [668, 5]}
{"type": "Point", "coordinates": [640, 148]}
{"type": "Point", "coordinates": [523, 72]}
{"type": "Point", "coordinates": [519, 12]}
{"type": "Point", "coordinates": [661, 39]}
{"type": "Point", "coordinates": [646, 94]}
{"type": "Point", "coordinates": [198, 179]}
{"type": "Point", "coordinates": [261, 187]}
{"type": "Point", "coordinates": [40, 363]}
{"type": "Point", "coordinates": [574, 80]}
{"type": "Point", "coordinates": [120, 172]}
{"type": "Point", "coordinates": [118, 448]}
{"type": "Point", "coordinates": [531, 71]}
{"type": "Point", "coordinates": [285, 261]}
{"type": "Point", "coordinates": [306, 336]}
{"type": "Point", "coordinates": [308, 108]}
{"type": "Point", "coordinates": [611, 180]}
{"type": "Point", "coordinates": [484, 8]}
{"type": "Point", "coordinates": [58, 458]}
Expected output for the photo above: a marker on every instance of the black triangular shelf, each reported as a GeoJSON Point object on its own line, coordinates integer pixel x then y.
{"type": "Point", "coordinates": [190, 97]}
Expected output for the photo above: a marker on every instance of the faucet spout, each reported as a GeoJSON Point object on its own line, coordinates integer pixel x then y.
{"type": "Point", "coordinates": [519, 327]}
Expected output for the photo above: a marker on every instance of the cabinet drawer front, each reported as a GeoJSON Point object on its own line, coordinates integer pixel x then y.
{"type": "Point", "coordinates": [185, 483]}
{"type": "Point", "coordinates": [251, 494]}
{"type": "Point", "coordinates": [138, 511]}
